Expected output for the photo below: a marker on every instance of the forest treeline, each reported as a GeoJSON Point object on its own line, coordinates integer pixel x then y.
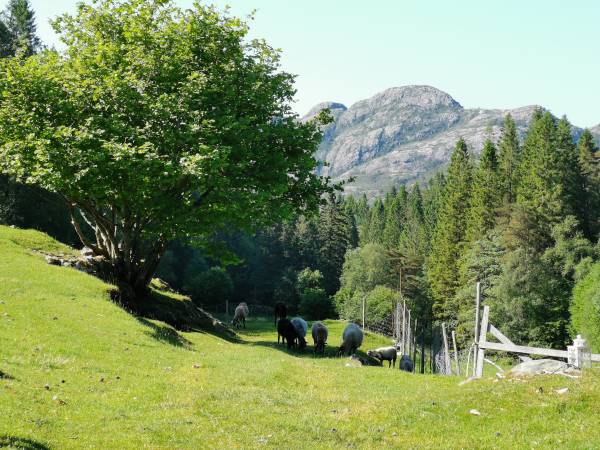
{"type": "Point", "coordinates": [523, 219]}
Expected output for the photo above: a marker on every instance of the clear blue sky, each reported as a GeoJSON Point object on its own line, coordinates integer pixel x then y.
{"type": "Point", "coordinates": [490, 54]}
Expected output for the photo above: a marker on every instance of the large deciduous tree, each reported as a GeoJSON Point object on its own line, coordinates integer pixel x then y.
{"type": "Point", "coordinates": [157, 123]}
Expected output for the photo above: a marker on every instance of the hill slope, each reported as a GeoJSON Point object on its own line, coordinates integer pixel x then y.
{"type": "Point", "coordinates": [404, 134]}
{"type": "Point", "coordinates": [79, 372]}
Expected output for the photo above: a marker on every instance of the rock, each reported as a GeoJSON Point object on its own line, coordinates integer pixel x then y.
{"type": "Point", "coordinates": [474, 412]}
{"type": "Point", "coordinates": [354, 361]}
{"type": "Point", "coordinates": [86, 251]}
{"type": "Point", "coordinates": [562, 391]}
{"type": "Point", "coordinates": [53, 260]}
{"type": "Point", "coordinates": [402, 134]}
{"type": "Point", "coordinates": [539, 367]}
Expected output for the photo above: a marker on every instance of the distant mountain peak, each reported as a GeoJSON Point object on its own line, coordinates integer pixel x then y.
{"type": "Point", "coordinates": [414, 95]}
{"type": "Point", "coordinates": [404, 134]}
{"type": "Point", "coordinates": [336, 109]}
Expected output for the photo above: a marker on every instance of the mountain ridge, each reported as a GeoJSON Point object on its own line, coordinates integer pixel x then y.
{"type": "Point", "coordinates": [405, 134]}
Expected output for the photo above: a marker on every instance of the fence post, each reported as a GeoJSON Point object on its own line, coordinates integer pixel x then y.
{"type": "Point", "coordinates": [476, 335]}
{"type": "Point", "coordinates": [447, 365]}
{"type": "Point", "coordinates": [482, 340]}
{"type": "Point", "coordinates": [455, 353]}
{"type": "Point", "coordinates": [423, 350]}
{"type": "Point", "coordinates": [363, 310]}
{"type": "Point", "coordinates": [414, 344]}
{"type": "Point", "coordinates": [403, 326]}
{"type": "Point", "coordinates": [226, 308]}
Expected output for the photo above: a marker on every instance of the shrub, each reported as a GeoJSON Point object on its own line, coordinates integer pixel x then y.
{"type": "Point", "coordinates": [315, 304]}
{"type": "Point", "coordinates": [380, 302]}
{"type": "Point", "coordinates": [210, 288]}
{"type": "Point", "coordinates": [585, 308]}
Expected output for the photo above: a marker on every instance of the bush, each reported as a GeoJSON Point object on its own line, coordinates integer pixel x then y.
{"type": "Point", "coordinates": [315, 304]}
{"type": "Point", "coordinates": [210, 288]}
{"type": "Point", "coordinates": [585, 308]}
{"type": "Point", "coordinates": [380, 302]}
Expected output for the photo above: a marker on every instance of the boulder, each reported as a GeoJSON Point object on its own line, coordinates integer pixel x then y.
{"type": "Point", "coordinates": [539, 367]}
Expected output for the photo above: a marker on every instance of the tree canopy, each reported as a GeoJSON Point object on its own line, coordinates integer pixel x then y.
{"type": "Point", "coordinates": [157, 123]}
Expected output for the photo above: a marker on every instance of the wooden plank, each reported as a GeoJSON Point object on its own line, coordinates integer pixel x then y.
{"type": "Point", "coordinates": [482, 341]}
{"type": "Point", "coordinates": [502, 338]}
{"type": "Point", "coordinates": [512, 348]}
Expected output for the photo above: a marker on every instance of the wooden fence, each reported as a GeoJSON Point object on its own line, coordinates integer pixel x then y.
{"type": "Point", "coordinates": [575, 354]}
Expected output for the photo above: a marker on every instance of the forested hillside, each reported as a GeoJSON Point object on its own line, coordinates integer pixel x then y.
{"type": "Point", "coordinates": [517, 211]}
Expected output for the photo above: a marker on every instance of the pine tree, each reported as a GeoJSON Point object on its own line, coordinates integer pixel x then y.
{"type": "Point", "coordinates": [509, 159]}
{"type": "Point", "coordinates": [542, 195]}
{"type": "Point", "coordinates": [432, 201]}
{"type": "Point", "coordinates": [20, 21]}
{"type": "Point", "coordinates": [5, 40]}
{"type": "Point", "coordinates": [486, 197]}
{"type": "Point", "coordinates": [333, 229]}
{"type": "Point", "coordinates": [394, 216]}
{"type": "Point", "coordinates": [450, 233]}
{"type": "Point", "coordinates": [589, 161]}
{"type": "Point", "coordinates": [376, 223]}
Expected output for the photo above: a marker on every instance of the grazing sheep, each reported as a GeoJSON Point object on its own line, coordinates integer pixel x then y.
{"type": "Point", "coordinates": [319, 335]}
{"type": "Point", "coordinates": [240, 314]}
{"type": "Point", "coordinates": [384, 354]}
{"type": "Point", "coordinates": [280, 311]}
{"type": "Point", "coordinates": [301, 328]}
{"type": "Point", "coordinates": [287, 332]}
{"type": "Point", "coordinates": [352, 339]}
{"type": "Point", "coordinates": [406, 363]}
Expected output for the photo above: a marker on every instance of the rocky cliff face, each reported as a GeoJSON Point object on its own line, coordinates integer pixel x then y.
{"type": "Point", "coordinates": [404, 134]}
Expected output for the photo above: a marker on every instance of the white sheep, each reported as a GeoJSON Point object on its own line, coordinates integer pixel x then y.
{"type": "Point", "coordinates": [352, 339]}
{"type": "Point", "coordinates": [240, 315]}
{"type": "Point", "coordinates": [301, 328]}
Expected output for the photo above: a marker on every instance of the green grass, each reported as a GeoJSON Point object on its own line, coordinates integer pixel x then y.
{"type": "Point", "coordinates": [116, 381]}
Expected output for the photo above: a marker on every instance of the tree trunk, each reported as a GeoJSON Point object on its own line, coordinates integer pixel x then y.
{"type": "Point", "coordinates": [131, 265]}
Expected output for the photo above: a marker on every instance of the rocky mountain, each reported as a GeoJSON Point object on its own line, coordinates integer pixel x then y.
{"type": "Point", "coordinates": [404, 134]}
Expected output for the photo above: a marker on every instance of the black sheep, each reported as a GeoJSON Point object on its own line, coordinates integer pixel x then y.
{"type": "Point", "coordinates": [280, 311]}
{"type": "Point", "coordinates": [287, 332]}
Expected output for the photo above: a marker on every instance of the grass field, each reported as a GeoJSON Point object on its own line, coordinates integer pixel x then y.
{"type": "Point", "coordinates": [79, 372]}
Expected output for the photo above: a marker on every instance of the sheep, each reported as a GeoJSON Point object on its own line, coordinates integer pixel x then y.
{"type": "Point", "coordinates": [240, 314]}
{"type": "Point", "coordinates": [406, 363]}
{"type": "Point", "coordinates": [301, 329]}
{"type": "Point", "coordinates": [287, 332]}
{"type": "Point", "coordinates": [319, 335]}
{"type": "Point", "coordinates": [352, 339]}
{"type": "Point", "coordinates": [384, 354]}
{"type": "Point", "coordinates": [280, 311]}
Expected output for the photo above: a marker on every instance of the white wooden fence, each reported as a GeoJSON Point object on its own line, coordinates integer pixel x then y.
{"type": "Point", "coordinates": [577, 354]}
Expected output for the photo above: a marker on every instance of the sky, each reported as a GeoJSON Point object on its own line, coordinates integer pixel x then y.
{"type": "Point", "coordinates": [486, 54]}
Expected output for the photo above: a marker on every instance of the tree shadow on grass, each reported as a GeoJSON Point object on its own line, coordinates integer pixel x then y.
{"type": "Point", "coordinates": [164, 333]}
{"type": "Point", "coordinates": [21, 443]}
{"type": "Point", "coordinates": [331, 352]}
{"type": "Point", "coordinates": [179, 312]}
{"type": "Point", "coordinates": [5, 376]}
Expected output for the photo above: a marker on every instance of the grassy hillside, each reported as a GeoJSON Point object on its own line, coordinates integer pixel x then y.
{"type": "Point", "coordinates": [79, 372]}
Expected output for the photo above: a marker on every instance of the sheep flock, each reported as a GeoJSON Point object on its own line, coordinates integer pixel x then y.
{"type": "Point", "coordinates": [292, 333]}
